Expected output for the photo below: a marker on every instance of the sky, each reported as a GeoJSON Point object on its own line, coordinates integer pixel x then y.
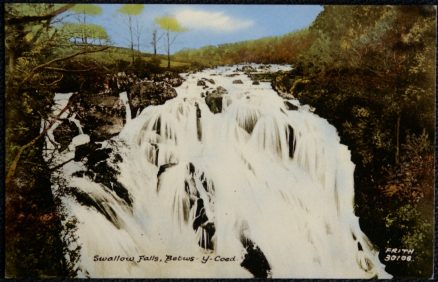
{"type": "Point", "coordinates": [207, 24]}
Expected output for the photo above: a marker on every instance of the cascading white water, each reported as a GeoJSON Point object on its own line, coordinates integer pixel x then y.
{"type": "Point", "coordinates": [209, 189]}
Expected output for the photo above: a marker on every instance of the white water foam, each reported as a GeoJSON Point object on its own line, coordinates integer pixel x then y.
{"type": "Point", "coordinates": [257, 171]}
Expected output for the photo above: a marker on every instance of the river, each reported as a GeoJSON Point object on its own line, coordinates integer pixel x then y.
{"type": "Point", "coordinates": [259, 189]}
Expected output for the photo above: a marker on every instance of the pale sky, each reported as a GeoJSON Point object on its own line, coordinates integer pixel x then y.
{"type": "Point", "coordinates": [209, 24]}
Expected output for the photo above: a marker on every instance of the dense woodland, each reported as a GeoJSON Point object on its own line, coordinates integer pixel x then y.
{"type": "Point", "coordinates": [369, 70]}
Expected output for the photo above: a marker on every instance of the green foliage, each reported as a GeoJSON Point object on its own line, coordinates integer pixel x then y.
{"type": "Point", "coordinates": [35, 52]}
{"type": "Point", "coordinates": [370, 77]}
{"type": "Point", "coordinates": [131, 9]}
{"type": "Point", "coordinates": [169, 23]}
{"type": "Point", "coordinates": [79, 30]}
{"type": "Point", "coordinates": [87, 9]}
{"type": "Point", "coordinates": [276, 49]}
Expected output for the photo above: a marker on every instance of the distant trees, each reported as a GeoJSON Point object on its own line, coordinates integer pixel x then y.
{"type": "Point", "coordinates": [82, 29]}
{"type": "Point", "coordinates": [131, 11]}
{"type": "Point", "coordinates": [88, 33]}
{"type": "Point", "coordinates": [276, 49]}
{"type": "Point", "coordinates": [171, 28]}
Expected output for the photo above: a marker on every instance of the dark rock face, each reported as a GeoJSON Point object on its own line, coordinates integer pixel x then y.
{"type": "Point", "coordinates": [101, 167]}
{"type": "Point", "coordinates": [256, 82]}
{"type": "Point", "coordinates": [101, 116]}
{"type": "Point", "coordinates": [254, 260]}
{"type": "Point", "coordinates": [214, 102]}
{"type": "Point", "coordinates": [214, 99]}
{"type": "Point", "coordinates": [290, 106]}
{"type": "Point", "coordinates": [64, 133]}
{"type": "Point", "coordinates": [149, 93]}
{"type": "Point", "coordinates": [237, 81]}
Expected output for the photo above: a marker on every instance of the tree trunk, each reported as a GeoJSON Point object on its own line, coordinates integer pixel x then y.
{"type": "Point", "coordinates": [11, 60]}
{"type": "Point", "coordinates": [154, 42]}
{"type": "Point", "coordinates": [168, 49]}
{"type": "Point", "coordinates": [132, 38]}
{"type": "Point", "coordinates": [84, 31]}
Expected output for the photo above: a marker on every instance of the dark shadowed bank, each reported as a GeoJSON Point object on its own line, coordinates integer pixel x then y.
{"type": "Point", "coordinates": [369, 70]}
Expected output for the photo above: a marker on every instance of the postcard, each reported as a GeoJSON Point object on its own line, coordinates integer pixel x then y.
{"type": "Point", "coordinates": [219, 141]}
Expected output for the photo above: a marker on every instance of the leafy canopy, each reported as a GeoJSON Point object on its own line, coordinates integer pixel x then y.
{"type": "Point", "coordinates": [169, 23]}
{"type": "Point", "coordinates": [92, 31]}
{"type": "Point", "coordinates": [88, 9]}
{"type": "Point", "coordinates": [131, 9]}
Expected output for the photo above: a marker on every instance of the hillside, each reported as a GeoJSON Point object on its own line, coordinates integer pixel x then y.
{"type": "Point", "coordinates": [276, 49]}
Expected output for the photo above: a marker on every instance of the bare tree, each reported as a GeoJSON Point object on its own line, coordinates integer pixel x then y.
{"type": "Point", "coordinates": [171, 27]}
{"type": "Point", "coordinates": [131, 11]}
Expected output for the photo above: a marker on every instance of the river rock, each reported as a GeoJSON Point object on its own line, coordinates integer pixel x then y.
{"type": "Point", "coordinates": [255, 82]}
{"type": "Point", "coordinates": [64, 134]}
{"type": "Point", "coordinates": [214, 99]}
{"type": "Point", "coordinates": [200, 83]}
{"type": "Point", "coordinates": [100, 164]}
{"type": "Point", "coordinates": [290, 106]}
{"type": "Point", "coordinates": [237, 81]}
{"type": "Point", "coordinates": [220, 90]}
{"type": "Point", "coordinates": [102, 116]}
{"type": "Point", "coordinates": [248, 69]}
{"type": "Point", "coordinates": [210, 80]}
{"type": "Point", "coordinates": [114, 84]}
{"type": "Point", "coordinates": [149, 93]}
{"type": "Point", "coordinates": [172, 78]}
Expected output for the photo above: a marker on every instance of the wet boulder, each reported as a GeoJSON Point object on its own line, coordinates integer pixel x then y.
{"type": "Point", "coordinates": [113, 84]}
{"type": "Point", "coordinates": [214, 103]}
{"type": "Point", "coordinates": [100, 164]}
{"type": "Point", "coordinates": [214, 99]}
{"type": "Point", "coordinates": [255, 82]}
{"type": "Point", "coordinates": [200, 83]}
{"type": "Point", "coordinates": [248, 69]}
{"type": "Point", "coordinates": [64, 134]}
{"type": "Point", "coordinates": [172, 78]}
{"type": "Point", "coordinates": [209, 80]}
{"type": "Point", "coordinates": [220, 90]}
{"type": "Point", "coordinates": [101, 116]}
{"type": "Point", "coordinates": [290, 106]}
{"type": "Point", "coordinates": [237, 81]}
{"type": "Point", "coordinates": [149, 93]}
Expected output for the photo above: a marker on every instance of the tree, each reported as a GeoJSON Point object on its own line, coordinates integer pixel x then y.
{"type": "Point", "coordinates": [35, 50]}
{"type": "Point", "coordinates": [95, 33]}
{"type": "Point", "coordinates": [155, 39]}
{"type": "Point", "coordinates": [130, 11]}
{"type": "Point", "coordinates": [169, 25]}
{"type": "Point", "coordinates": [82, 10]}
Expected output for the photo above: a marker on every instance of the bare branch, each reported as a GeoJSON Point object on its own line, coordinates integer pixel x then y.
{"type": "Point", "coordinates": [56, 81]}
{"type": "Point", "coordinates": [60, 165]}
{"type": "Point", "coordinates": [66, 70]}
{"type": "Point", "coordinates": [46, 17]}
{"type": "Point", "coordinates": [42, 66]}
{"type": "Point", "coordinates": [13, 167]}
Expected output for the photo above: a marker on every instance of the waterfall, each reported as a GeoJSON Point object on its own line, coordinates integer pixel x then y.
{"type": "Point", "coordinates": [255, 190]}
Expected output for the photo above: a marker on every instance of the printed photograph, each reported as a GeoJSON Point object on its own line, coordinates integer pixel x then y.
{"type": "Point", "coordinates": [219, 141]}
